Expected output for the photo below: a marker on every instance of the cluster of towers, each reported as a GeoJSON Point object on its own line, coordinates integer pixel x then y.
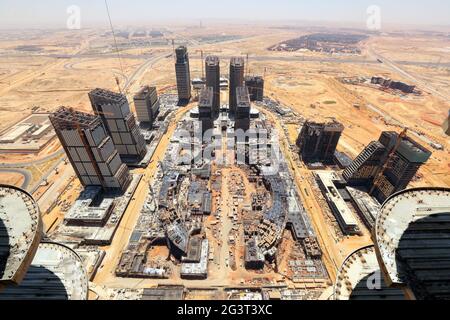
{"type": "Point", "coordinates": [100, 145]}
{"type": "Point", "coordinates": [384, 167]}
{"type": "Point", "coordinates": [388, 165]}
{"type": "Point", "coordinates": [242, 89]}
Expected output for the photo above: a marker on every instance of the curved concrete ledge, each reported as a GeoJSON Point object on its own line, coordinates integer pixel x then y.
{"type": "Point", "coordinates": [20, 233]}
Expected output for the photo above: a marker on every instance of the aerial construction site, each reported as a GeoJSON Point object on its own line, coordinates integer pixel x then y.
{"type": "Point", "coordinates": [221, 162]}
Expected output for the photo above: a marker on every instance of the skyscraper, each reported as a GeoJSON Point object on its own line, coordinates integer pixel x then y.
{"type": "Point", "coordinates": [364, 168]}
{"type": "Point", "coordinates": [401, 167]}
{"type": "Point", "coordinates": [237, 69]}
{"type": "Point", "coordinates": [90, 150]}
{"type": "Point", "coordinates": [146, 103]}
{"type": "Point", "coordinates": [212, 67]}
{"type": "Point", "coordinates": [255, 85]}
{"type": "Point", "coordinates": [183, 74]}
{"type": "Point", "coordinates": [318, 141]}
{"type": "Point", "coordinates": [205, 106]}
{"type": "Point", "coordinates": [114, 110]}
{"type": "Point", "coordinates": [243, 106]}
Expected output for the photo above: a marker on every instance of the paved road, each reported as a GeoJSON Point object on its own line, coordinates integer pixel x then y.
{"type": "Point", "coordinates": [106, 273]}
{"type": "Point", "coordinates": [226, 226]}
{"type": "Point", "coordinates": [25, 173]}
{"type": "Point", "coordinates": [52, 193]}
{"type": "Point", "coordinates": [19, 168]}
{"type": "Point", "coordinates": [395, 67]}
{"type": "Point", "coordinates": [138, 73]}
{"type": "Point", "coordinates": [30, 163]}
{"type": "Point", "coordinates": [297, 58]}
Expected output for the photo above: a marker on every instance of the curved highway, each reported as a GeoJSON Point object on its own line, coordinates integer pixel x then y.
{"type": "Point", "coordinates": [30, 163]}
{"type": "Point", "coordinates": [393, 65]}
{"type": "Point", "coordinates": [25, 173]}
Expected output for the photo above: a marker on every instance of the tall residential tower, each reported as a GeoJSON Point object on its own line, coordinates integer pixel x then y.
{"type": "Point", "coordinates": [205, 106]}
{"type": "Point", "coordinates": [183, 74]}
{"type": "Point", "coordinates": [237, 68]}
{"type": "Point", "coordinates": [396, 169]}
{"type": "Point", "coordinates": [114, 111]}
{"type": "Point", "coordinates": [402, 166]}
{"type": "Point", "coordinates": [146, 103]}
{"type": "Point", "coordinates": [255, 85]}
{"type": "Point", "coordinates": [243, 107]}
{"type": "Point", "coordinates": [212, 67]}
{"type": "Point", "coordinates": [318, 141]}
{"type": "Point", "coordinates": [90, 150]}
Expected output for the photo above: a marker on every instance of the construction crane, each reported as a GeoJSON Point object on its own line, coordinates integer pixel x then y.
{"type": "Point", "coordinates": [173, 48]}
{"type": "Point", "coordinates": [114, 37]}
{"type": "Point", "coordinates": [118, 83]}
{"type": "Point", "coordinates": [203, 64]}
{"type": "Point", "coordinates": [247, 65]}
{"type": "Point", "coordinates": [379, 177]}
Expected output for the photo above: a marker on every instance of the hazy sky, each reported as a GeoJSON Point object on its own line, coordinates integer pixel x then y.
{"type": "Point", "coordinates": [41, 13]}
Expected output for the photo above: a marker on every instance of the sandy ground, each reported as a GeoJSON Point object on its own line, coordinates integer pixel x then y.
{"type": "Point", "coordinates": [306, 85]}
{"type": "Point", "coordinates": [13, 179]}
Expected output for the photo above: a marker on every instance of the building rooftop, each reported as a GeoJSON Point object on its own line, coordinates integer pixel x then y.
{"type": "Point", "coordinates": [332, 126]}
{"type": "Point", "coordinates": [181, 49]}
{"type": "Point", "coordinates": [144, 92]}
{"type": "Point", "coordinates": [367, 206]}
{"type": "Point", "coordinates": [199, 198]}
{"type": "Point", "coordinates": [297, 218]}
{"type": "Point", "coordinates": [360, 278]}
{"type": "Point", "coordinates": [277, 212]}
{"type": "Point", "coordinates": [252, 252]}
{"type": "Point", "coordinates": [412, 235]}
{"type": "Point", "coordinates": [237, 62]}
{"type": "Point", "coordinates": [20, 233]}
{"type": "Point", "coordinates": [334, 197]}
{"type": "Point", "coordinates": [16, 132]}
{"type": "Point", "coordinates": [56, 273]}
{"type": "Point", "coordinates": [413, 151]}
{"type": "Point", "coordinates": [170, 181]}
{"type": "Point", "coordinates": [242, 97]}
{"type": "Point", "coordinates": [90, 206]}
{"type": "Point", "coordinates": [106, 96]}
{"type": "Point", "coordinates": [212, 61]}
{"type": "Point", "coordinates": [194, 250]}
{"type": "Point", "coordinates": [179, 235]}
{"type": "Point", "coordinates": [68, 119]}
{"type": "Point", "coordinates": [254, 79]}
{"type": "Point", "coordinates": [198, 269]}
{"type": "Point", "coordinates": [182, 54]}
{"type": "Point", "coordinates": [342, 159]}
{"type": "Point", "coordinates": [206, 98]}
{"type": "Point", "coordinates": [172, 293]}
